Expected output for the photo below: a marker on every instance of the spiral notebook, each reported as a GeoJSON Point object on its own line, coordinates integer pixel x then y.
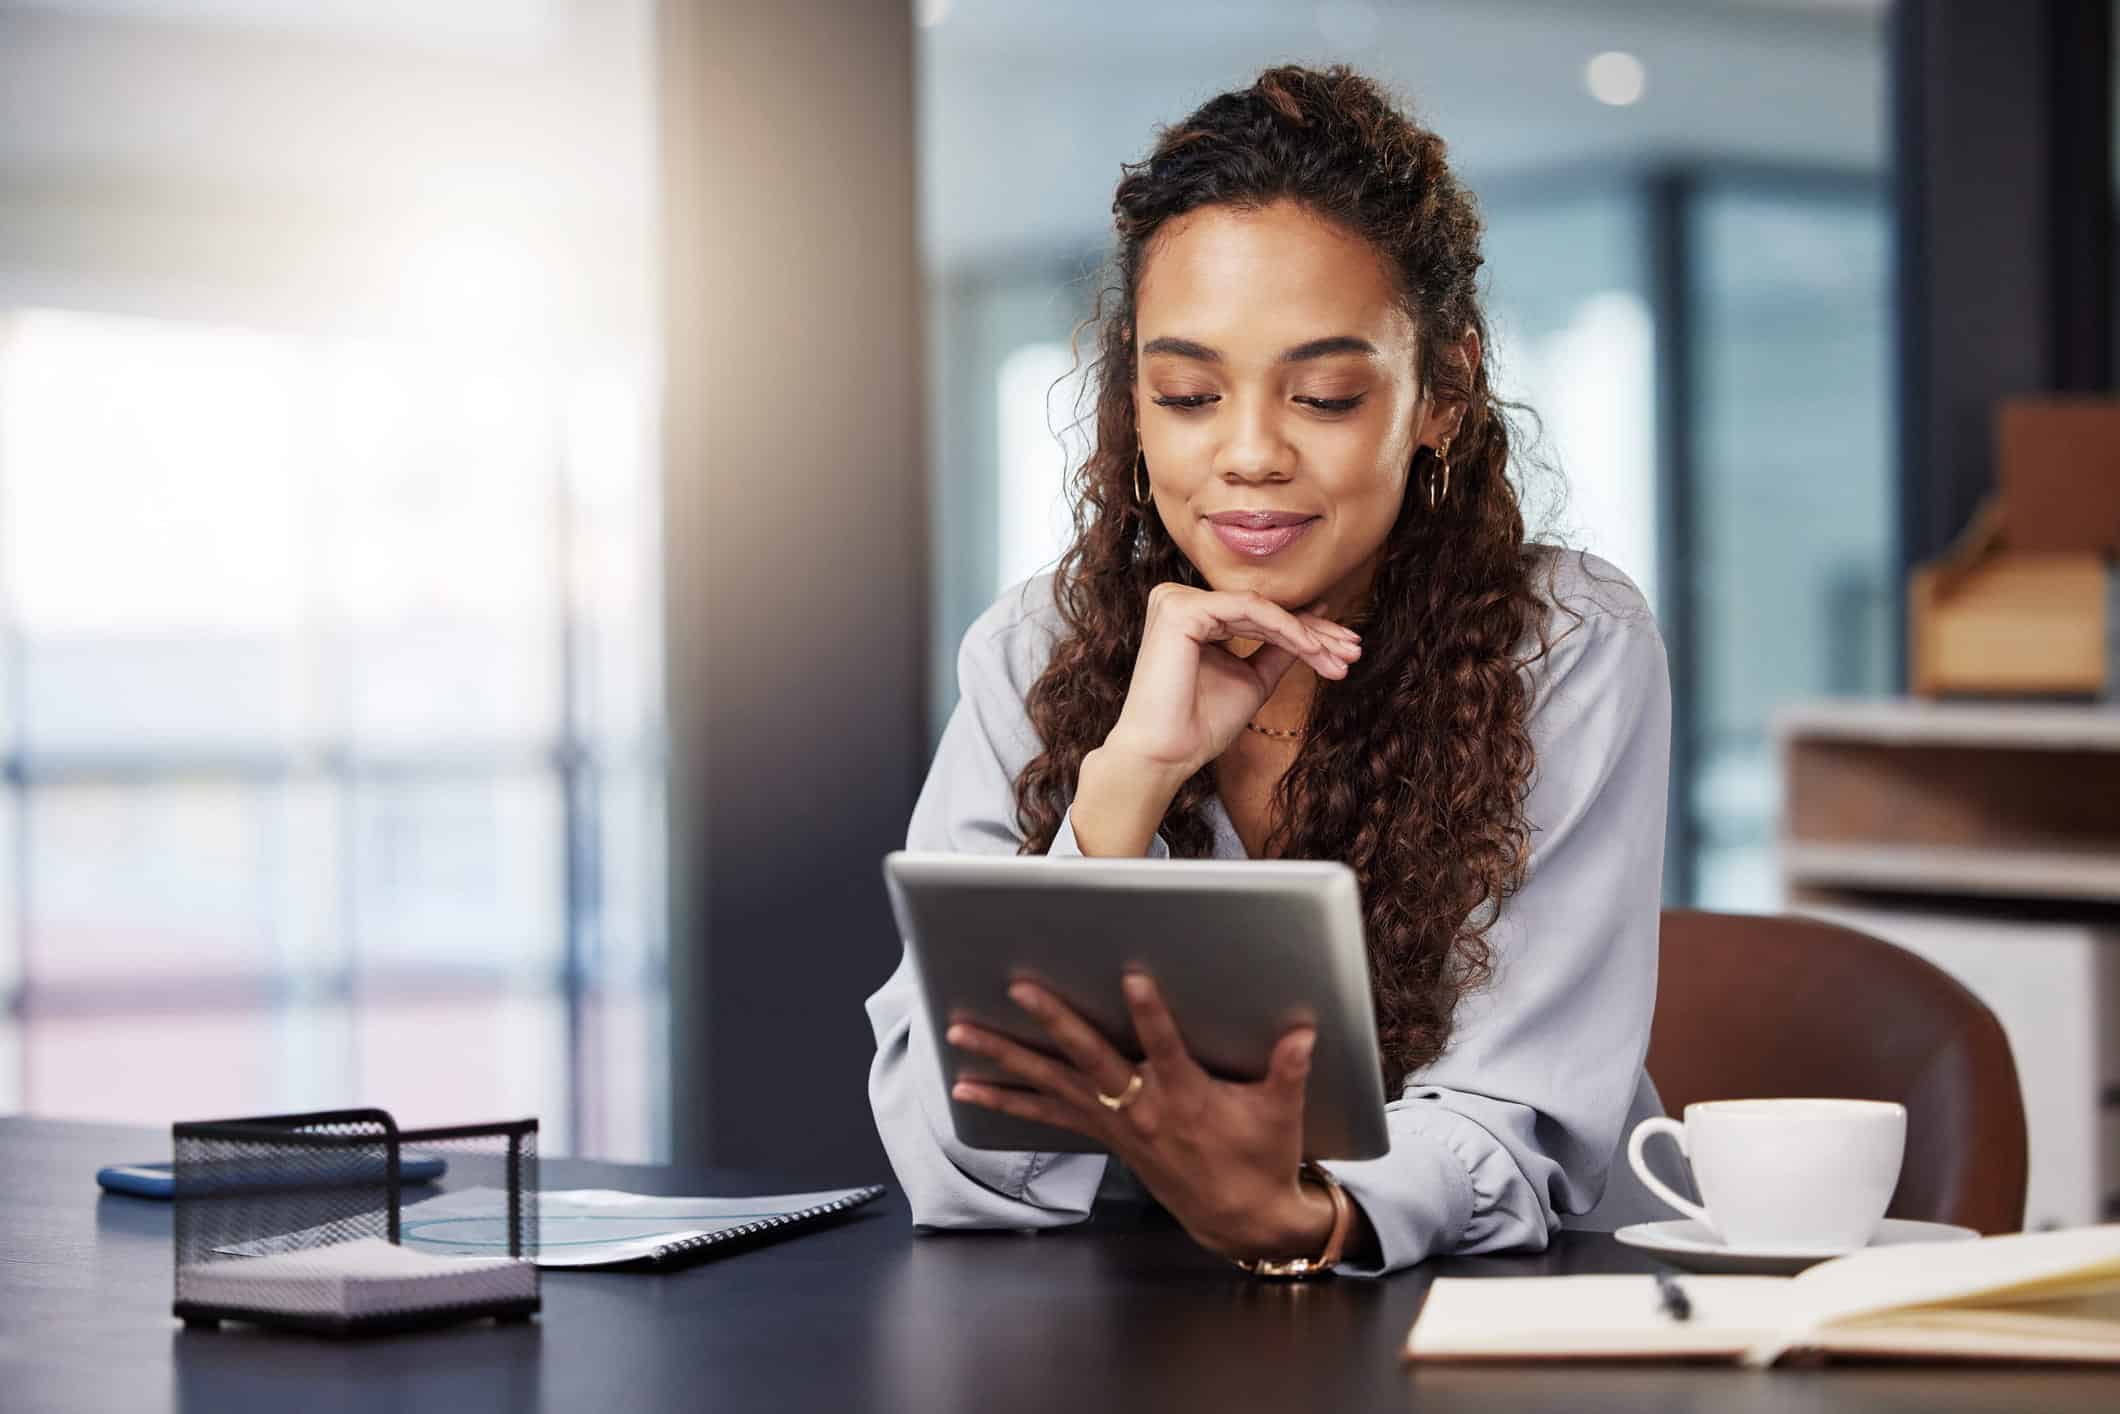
{"type": "Point", "coordinates": [602, 1227]}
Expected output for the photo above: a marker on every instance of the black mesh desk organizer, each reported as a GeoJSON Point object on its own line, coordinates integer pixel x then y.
{"type": "Point", "coordinates": [272, 1212]}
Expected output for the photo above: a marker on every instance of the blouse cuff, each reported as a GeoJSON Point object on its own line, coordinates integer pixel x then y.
{"type": "Point", "coordinates": [1417, 1198]}
{"type": "Point", "coordinates": [1063, 1183]}
{"type": "Point", "coordinates": [1064, 840]}
{"type": "Point", "coordinates": [1439, 1191]}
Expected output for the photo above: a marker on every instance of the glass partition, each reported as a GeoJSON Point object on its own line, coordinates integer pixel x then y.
{"type": "Point", "coordinates": [1791, 500]}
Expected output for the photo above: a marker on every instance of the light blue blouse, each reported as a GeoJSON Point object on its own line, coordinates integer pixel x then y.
{"type": "Point", "coordinates": [1520, 1124]}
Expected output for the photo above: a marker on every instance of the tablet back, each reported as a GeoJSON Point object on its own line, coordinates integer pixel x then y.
{"type": "Point", "coordinates": [1242, 949]}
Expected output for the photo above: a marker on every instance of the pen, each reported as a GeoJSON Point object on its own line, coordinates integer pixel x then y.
{"type": "Point", "coordinates": [1674, 1296]}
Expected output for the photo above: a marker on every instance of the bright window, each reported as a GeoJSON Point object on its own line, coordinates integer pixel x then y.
{"type": "Point", "coordinates": [332, 743]}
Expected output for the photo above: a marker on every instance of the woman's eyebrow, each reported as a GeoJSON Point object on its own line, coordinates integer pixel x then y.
{"type": "Point", "coordinates": [1316, 348]}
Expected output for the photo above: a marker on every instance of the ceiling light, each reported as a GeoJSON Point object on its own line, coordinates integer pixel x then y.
{"type": "Point", "coordinates": [1616, 78]}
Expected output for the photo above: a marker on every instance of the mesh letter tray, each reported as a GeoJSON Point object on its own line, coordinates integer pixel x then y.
{"type": "Point", "coordinates": [299, 1221]}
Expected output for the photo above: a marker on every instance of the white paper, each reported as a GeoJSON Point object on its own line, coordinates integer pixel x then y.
{"type": "Point", "coordinates": [363, 1277]}
{"type": "Point", "coordinates": [1594, 1315]}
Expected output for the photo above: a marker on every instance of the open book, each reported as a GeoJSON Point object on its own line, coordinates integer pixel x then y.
{"type": "Point", "coordinates": [2026, 1296]}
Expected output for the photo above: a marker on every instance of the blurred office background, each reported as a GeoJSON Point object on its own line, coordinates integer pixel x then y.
{"type": "Point", "coordinates": [1689, 231]}
{"type": "Point", "coordinates": [416, 422]}
{"type": "Point", "coordinates": [329, 629]}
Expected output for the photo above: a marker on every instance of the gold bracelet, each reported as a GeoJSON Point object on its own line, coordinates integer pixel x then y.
{"type": "Point", "coordinates": [1306, 1268]}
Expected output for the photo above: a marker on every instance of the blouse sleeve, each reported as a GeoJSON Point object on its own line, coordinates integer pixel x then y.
{"type": "Point", "coordinates": [967, 804]}
{"type": "Point", "coordinates": [1517, 1121]}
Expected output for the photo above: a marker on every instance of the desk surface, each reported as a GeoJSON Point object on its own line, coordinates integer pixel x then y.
{"type": "Point", "coordinates": [1116, 1315]}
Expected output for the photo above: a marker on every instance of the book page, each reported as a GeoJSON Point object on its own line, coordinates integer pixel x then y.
{"type": "Point", "coordinates": [2018, 1265]}
{"type": "Point", "coordinates": [2086, 1328]}
{"type": "Point", "coordinates": [1593, 1316]}
{"type": "Point", "coordinates": [1992, 1271]}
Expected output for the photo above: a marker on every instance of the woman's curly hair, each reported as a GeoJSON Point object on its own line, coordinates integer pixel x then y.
{"type": "Point", "coordinates": [1415, 766]}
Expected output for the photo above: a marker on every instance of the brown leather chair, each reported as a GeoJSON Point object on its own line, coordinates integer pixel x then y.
{"type": "Point", "coordinates": [1777, 1005]}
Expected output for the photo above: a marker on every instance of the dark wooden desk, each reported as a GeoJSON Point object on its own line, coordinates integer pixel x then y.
{"type": "Point", "coordinates": [1119, 1315]}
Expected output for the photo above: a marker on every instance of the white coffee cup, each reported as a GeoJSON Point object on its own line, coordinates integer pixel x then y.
{"type": "Point", "coordinates": [1785, 1175]}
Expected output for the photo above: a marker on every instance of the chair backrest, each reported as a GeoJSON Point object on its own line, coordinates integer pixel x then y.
{"type": "Point", "coordinates": [1777, 1005]}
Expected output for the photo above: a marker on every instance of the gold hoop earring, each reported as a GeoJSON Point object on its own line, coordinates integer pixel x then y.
{"type": "Point", "coordinates": [1140, 478]}
{"type": "Point", "coordinates": [1442, 457]}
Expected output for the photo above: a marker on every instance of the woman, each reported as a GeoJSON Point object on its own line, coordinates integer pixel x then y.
{"type": "Point", "coordinates": [1300, 618]}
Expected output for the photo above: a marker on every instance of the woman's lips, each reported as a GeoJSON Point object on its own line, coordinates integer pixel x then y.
{"type": "Point", "coordinates": [1259, 544]}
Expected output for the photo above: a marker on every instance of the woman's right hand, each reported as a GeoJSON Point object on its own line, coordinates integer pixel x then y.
{"type": "Point", "coordinates": [1190, 696]}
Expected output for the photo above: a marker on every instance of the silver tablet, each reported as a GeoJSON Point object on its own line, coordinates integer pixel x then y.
{"type": "Point", "coordinates": [1242, 949]}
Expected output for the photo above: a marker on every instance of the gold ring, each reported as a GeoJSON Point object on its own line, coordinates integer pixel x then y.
{"type": "Point", "coordinates": [1125, 1097]}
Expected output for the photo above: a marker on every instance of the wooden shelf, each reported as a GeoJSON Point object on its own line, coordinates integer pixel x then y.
{"type": "Point", "coordinates": [2088, 874]}
{"type": "Point", "coordinates": [1907, 721]}
{"type": "Point", "coordinates": [1984, 836]}
{"type": "Point", "coordinates": [1970, 799]}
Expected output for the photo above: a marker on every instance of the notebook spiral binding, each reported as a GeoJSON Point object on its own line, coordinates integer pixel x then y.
{"type": "Point", "coordinates": [725, 1236]}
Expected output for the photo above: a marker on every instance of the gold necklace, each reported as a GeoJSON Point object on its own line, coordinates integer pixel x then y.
{"type": "Point", "coordinates": [1269, 731]}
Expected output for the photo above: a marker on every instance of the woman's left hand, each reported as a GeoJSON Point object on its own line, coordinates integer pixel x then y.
{"type": "Point", "coordinates": [1221, 1156]}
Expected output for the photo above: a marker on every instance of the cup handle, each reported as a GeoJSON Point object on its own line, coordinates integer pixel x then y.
{"type": "Point", "coordinates": [1643, 1132]}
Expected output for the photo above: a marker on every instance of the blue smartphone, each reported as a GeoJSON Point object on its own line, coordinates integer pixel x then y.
{"type": "Point", "coordinates": [159, 1180]}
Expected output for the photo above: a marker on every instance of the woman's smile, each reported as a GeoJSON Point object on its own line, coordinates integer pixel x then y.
{"type": "Point", "coordinates": [1260, 542]}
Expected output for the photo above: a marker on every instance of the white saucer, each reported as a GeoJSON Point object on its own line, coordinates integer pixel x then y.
{"type": "Point", "coordinates": [1685, 1243]}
